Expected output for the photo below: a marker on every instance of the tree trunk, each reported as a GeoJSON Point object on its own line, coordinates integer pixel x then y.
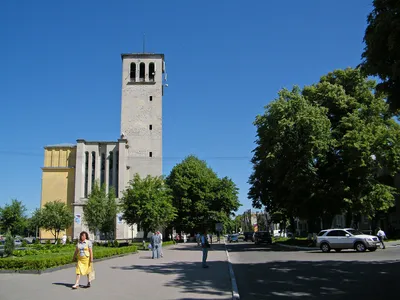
{"type": "Point", "coordinates": [349, 217]}
{"type": "Point", "coordinates": [145, 234]}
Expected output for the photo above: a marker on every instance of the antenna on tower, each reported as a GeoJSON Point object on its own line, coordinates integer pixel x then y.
{"type": "Point", "coordinates": [144, 42]}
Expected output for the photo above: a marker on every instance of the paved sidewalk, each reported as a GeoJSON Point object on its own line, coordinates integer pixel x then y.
{"type": "Point", "coordinates": [177, 276]}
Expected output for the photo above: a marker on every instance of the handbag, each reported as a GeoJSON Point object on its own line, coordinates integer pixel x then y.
{"type": "Point", "coordinates": [92, 274]}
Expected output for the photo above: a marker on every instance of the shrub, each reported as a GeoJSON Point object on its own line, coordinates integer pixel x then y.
{"type": "Point", "coordinates": [116, 244]}
{"type": "Point", "coordinates": [9, 245]}
{"type": "Point", "coordinates": [24, 243]}
{"type": "Point", "coordinates": [49, 261]}
{"type": "Point", "coordinates": [48, 242]}
{"type": "Point", "coordinates": [68, 241]}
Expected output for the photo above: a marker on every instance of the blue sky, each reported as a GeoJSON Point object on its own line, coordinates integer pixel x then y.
{"type": "Point", "coordinates": [60, 74]}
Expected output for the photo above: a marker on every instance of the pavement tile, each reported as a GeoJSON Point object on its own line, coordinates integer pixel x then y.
{"type": "Point", "coordinates": [178, 275]}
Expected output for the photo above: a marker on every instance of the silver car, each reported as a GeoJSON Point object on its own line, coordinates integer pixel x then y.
{"type": "Point", "coordinates": [347, 238]}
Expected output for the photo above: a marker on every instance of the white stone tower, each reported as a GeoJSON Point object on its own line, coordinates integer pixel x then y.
{"type": "Point", "coordinates": [141, 113]}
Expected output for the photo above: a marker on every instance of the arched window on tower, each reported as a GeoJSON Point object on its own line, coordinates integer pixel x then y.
{"type": "Point", "coordinates": [142, 71]}
{"type": "Point", "coordinates": [132, 73]}
{"type": "Point", "coordinates": [152, 71]}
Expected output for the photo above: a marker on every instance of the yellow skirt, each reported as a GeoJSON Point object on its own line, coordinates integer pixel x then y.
{"type": "Point", "coordinates": [83, 267]}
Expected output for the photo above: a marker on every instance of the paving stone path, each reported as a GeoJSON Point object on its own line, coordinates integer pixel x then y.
{"type": "Point", "coordinates": [176, 276]}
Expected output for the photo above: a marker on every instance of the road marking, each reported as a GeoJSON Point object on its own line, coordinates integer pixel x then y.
{"type": "Point", "coordinates": [235, 291]}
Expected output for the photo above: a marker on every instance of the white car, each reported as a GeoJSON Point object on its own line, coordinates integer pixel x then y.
{"type": "Point", "coordinates": [347, 238]}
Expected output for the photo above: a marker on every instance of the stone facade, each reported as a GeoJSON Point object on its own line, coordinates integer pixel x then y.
{"type": "Point", "coordinates": [139, 149]}
{"type": "Point", "coordinates": [141, 112]}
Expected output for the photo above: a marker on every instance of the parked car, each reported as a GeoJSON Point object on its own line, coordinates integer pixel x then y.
{"type": "Point", "coordinates": [248, 236]}
{"type": "Point", "coordinates": [262, 237]}
{"type": "Point", "coordinates": [233, 238]}
{"type": "Point", "coordinates": [347, 238]}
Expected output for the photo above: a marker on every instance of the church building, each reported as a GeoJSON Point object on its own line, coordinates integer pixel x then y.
{"type": "Point", "coordinates": [70, 170]}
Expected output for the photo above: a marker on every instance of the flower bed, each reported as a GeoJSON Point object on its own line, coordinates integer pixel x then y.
{"type": "Point", "coordinates": [40, 259]}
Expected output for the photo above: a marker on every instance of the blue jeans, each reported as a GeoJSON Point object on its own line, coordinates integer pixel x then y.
{"type": "Point", "coordinates": [205, 254]}
{"type": "Point", "coordinates": [156, 251]}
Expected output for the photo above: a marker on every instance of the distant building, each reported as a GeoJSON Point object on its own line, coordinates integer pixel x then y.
{"type": "Point", "coordinates": [69, 171]}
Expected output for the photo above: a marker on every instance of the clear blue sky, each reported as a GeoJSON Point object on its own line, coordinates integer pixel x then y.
{"type": "Point", "coordinates": [60, 73]}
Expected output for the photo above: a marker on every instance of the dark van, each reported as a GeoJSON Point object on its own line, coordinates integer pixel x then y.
{"type": "Point", "coordinates": [262, 237]}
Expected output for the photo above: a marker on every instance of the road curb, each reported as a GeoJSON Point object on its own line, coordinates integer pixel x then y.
{"type": "Point", "coordinates": [297, 247]}
{"type": "Point", "coordinates": [235, 290]}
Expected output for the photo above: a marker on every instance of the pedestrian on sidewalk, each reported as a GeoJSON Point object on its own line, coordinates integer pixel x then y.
{"type": "Point", "coordinates": [205, 245]}
{"type": "Point", "coordinates": [161, 241]}
{"type": "Point", "coordinates": [85, 258]}
{"type": "Point", "coordinates": [198, 239]}
{"type": "Point", "coordinates": [381, 236]}
{"type": "Point", "coordinates": [155, 245]}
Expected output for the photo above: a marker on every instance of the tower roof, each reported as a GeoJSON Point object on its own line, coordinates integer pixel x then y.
{"type": "Point", "coordinates": [142, 55]}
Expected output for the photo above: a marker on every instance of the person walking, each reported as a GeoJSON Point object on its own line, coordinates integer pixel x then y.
{"type": "Point", "coordinates": [161, 241]}
{"type": "Point", "coordinates": [155, 245]}
{"type": "Point", "coordinates": [64, 239]}
{"type": "Point", "coordinates": [205, 245]}
{"type": "Point", "coordinates": [198, 239]}
{"type": "Point", "coordinates": [381, 236]}
{"type": "Point", "coordinates": [84, 264]}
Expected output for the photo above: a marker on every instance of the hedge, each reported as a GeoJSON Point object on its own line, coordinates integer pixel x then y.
{"type": "Point", "coordinates": [42, 262]}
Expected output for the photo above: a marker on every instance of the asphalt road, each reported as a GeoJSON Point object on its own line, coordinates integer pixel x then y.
{"type": "Point", "coordinates": [272, 272]}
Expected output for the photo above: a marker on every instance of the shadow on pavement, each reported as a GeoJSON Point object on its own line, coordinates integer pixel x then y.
{"type": "Point", "coordinates": [194, 247]}
{"type": "Point", "coordinates": [191, 277]}
{"type": "Point", "coordinates": [67, 285]}
{"type": "Point", "coordinates": [248, 247]}
{"type": "Point", "coordinates": [318, 280]}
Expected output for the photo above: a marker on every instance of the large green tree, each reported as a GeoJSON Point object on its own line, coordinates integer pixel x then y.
{"type": "Point", "coordinates": [100, 211]}
{"type": "Point", "coordinates": [360, 166]}
{"type": "Point", "coordinates": [330, 148]}
{"type": "Point", "coordinates": [292, 138]}
{"type": "Point", "coordinates": [148, 203]}
{"type": "Point", "coordinates": [382, 43]}
{"type": "Point", "coordinates": [12, 217]}
{"type": "Point", "coordinates": [54, 216]}
{"type": "Point", "coordinates": [201, 198]}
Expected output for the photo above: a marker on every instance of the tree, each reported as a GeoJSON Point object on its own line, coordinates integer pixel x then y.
{"type": "Point", "coordinates": [247, 225]}
{"type": "Point", "coordinates": [12, 217]}
{"type": "Point", "coordinates": [100, 211]}
{"type": "Point", "coordinates": [328, 149]}
{"type": "Point", "coordinates": [359, 168]}
{"type": "Point", "coordinates": [148, 202]}
{"type": "Point", "coordinates": [34, 223]}
{"type": "Point", "coordinates": [201, 198]}
{"type": "Point", "coordinates": [382, 43]}
{"type": "Point", "coordinates": [55, 216]}
{"type": "Point", "coordinates": [9, 244]}
{"type": "Point", "coordinates": [292, 137]}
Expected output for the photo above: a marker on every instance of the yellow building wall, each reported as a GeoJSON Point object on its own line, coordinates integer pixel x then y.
{"type": "Point", "coordinates": [58, 180]}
